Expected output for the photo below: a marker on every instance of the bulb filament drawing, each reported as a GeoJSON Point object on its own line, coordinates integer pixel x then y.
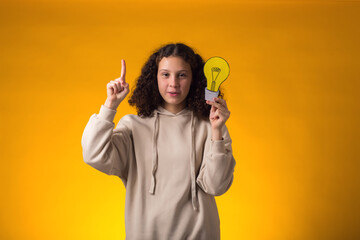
{"type": "Point", "coordinates": [213, 82]}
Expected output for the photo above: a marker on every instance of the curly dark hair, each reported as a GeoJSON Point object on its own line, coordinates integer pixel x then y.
{"type": "Point", "coordinates": [146, 97]}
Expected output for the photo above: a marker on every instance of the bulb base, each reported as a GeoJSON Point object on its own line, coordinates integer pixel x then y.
{"type": "Point", "coordinates": [209, 95]}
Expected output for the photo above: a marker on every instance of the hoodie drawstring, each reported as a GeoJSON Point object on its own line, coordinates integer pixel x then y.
{"type": "Point", "coordinates": [154, 156]}
{"type": "Point", "coordinates": [194, 198]}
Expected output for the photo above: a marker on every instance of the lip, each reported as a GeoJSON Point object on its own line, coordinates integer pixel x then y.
{"type": "Point", "coordinates": [174, 94]}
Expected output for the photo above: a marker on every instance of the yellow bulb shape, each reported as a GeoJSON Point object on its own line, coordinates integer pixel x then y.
{"type": "Point", "coordinates": [216, 71]}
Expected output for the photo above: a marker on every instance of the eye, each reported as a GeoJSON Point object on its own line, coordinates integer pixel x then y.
{"type": "Point", "coordinates": [165, 74]}
{"type": "Point", "coordinates": [182, 75]}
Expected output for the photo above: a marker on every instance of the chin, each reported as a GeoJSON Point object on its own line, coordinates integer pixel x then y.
{"type": "Point", "coordinates": [174, 101]}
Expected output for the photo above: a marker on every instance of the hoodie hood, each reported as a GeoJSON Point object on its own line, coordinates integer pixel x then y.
{"type": "Point", "coordinates": [185, 111]}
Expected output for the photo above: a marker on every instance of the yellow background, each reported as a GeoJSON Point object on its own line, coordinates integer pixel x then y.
{"type": "Point", "coordinates": [293, 93]}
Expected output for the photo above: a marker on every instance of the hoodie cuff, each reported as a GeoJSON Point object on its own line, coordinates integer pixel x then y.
{"type": "Point", "coordinates": [107, 113]}
{"type": "Point", "coordinates": [218, 146]}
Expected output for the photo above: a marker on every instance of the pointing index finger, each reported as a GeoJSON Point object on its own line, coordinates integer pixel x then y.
{"type": "Point", "coordinates": [123, 70]}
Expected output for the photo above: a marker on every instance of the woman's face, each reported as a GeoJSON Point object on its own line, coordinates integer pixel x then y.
{"type": "Point", "coordinates": [174, 80]}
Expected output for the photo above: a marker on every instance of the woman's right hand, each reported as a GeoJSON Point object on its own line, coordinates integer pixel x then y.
{"type": "Point", "coordinates": [117, 89]}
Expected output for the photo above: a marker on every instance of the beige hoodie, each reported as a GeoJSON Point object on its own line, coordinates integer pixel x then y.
{"type": "Point", "coordinates": [170, 167]}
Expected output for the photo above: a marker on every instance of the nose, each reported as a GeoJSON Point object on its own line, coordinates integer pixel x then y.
{"type": "Point", "coordinates": [174, 82]}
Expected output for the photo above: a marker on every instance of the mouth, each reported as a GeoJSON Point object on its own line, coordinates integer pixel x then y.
{"type": "Point", "coordinates": [173, 94]}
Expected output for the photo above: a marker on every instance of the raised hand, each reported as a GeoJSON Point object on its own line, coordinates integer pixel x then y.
{"type": "Point", "coordinates": [219, 114]}
{"type": "Point", "coordinates": [117, 89]}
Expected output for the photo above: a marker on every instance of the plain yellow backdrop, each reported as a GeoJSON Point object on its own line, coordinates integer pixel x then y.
{"type": "Point", "coordinates": [293, 93]}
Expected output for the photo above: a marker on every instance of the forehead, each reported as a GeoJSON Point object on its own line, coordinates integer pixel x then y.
{"type": "Point", "coordinates": [174, 63]}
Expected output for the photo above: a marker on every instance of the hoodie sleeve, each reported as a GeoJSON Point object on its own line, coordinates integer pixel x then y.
{"type": "Point", "coordinates": [104, 148]}
{"type": "Point", "coordinates": [217, 168]}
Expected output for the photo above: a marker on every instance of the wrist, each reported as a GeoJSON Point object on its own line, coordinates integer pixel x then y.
{"type": "Point", "coordinates": [110, 104]}
{"type": "Point", "coordinates": [216, 134]}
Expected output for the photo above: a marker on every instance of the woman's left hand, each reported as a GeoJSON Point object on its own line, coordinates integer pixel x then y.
{"type": "Point", "coordinates": [219, 113]}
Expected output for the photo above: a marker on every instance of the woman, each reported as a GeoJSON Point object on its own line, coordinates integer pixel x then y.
{"type": "Point", "coordinates": [174, 156]}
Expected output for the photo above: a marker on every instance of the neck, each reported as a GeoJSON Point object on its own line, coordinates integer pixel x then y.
{"type": "Point", "coordinates": [174, 108]}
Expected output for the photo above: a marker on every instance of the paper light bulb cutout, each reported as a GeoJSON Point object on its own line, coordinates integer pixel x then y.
{"type": "Point", "coordinates": [216, 71]}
